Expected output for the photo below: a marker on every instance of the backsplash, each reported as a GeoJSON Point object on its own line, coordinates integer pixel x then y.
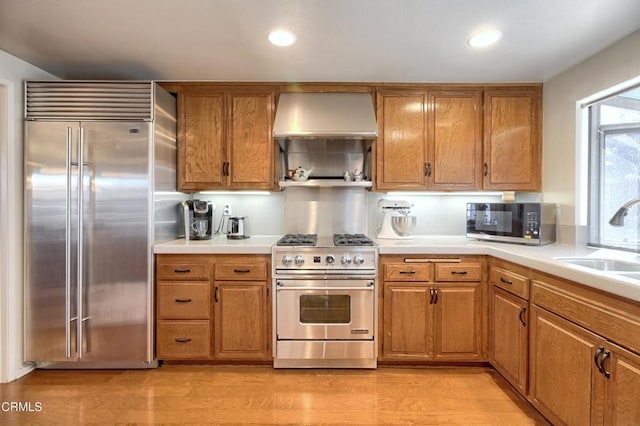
{"type": "Point", "coordinates": [438, 214]}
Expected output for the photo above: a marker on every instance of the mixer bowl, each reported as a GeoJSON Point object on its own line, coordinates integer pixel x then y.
{"type": "Point", "coordinates": [403, 225]}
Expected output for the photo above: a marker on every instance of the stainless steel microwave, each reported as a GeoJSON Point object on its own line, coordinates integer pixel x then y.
{"type": "Point", "coordinates": [520, 223]}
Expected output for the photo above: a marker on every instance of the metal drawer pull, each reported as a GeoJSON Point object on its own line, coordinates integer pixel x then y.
{"type": "Point", "coordinates": [458, 272]}
{"type": "Point", "coordinates": [407, 272]}
{"type": "Point", "coordinates": [521, 316]}
{"type": "Point", "coordinates": [182, 339]}
{"type": "Point", "coordinates": [604, 369]}
{"type": "Point", "coordinates": [506, 281]}
{"type": "Point", "coordinates": [412, 260]}
{"type": "Point", "coordinates": [596, 360]}
{"type": "Point", "coordinates": [182, 271]}
{"type": "Point", "coordinates": [242, 271]}
{"type": "Point", "coordinates": [183, 300]}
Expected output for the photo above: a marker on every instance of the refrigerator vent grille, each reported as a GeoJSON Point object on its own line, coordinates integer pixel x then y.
{"type": "Point", "coordinates": [89, 100]}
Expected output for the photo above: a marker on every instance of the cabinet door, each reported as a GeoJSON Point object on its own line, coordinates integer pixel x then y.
{"type": "Point", "coordinates": [622, 387]}
{"type": "Point", "coordinates": [400, 148]}
{"type": "Point", "coordinates": [250, 141]}
{"type": "Point", "coordinates": [201, 139]}
{"type": "Point", "coordinates": [512, 140]}
{"type": "Point", "coordinates": [240, 320]}
{"type": "Point", "coordinates": [454, 140]}
{"type": "Point", "coordinates": [564, 386]}
{"type": "Point", "coordinates": [509, 341]}
{"type": "Point", "coordinates": [458, 321]}
{"type": "Point", "coordinates": [408, 321]}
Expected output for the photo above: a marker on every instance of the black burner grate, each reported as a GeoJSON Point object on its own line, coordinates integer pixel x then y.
{"type": "Point", "coordinates": [351, 240]}
{"type": "Point", "coordinates": [298, 240]}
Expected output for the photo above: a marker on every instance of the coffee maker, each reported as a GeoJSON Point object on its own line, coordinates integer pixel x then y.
{"type": "Point", "coordinates": [198, 219]}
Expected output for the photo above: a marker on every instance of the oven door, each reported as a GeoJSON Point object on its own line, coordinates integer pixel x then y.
{"type": "Point", "coordinates": [325, 309]}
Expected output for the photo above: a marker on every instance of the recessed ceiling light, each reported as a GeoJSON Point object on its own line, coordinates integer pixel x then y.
{"type": "Point", "coordinates": [282, 37]}
{"type": "Point", "coordinates": [484, 38]}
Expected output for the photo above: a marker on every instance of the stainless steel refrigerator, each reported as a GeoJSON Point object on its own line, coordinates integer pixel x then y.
{"type": "Point", "coordinates": [99, 191]}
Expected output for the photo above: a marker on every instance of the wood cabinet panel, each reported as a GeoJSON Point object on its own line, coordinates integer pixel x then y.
{"type": "Point", "coordinates": [509, 341]}
{"type": "Point", "coordinates": [512, 140]}
{"type": "Point", "coordinates": [561, 369]}
{"type": "Point", "coordinates": [252, 271]}
{"type": "Point", "coordinates": [184, 339]}
{"type": "Point", "coordinates": [457, 324]}
{"type": "Point", "coordinates": [408, 321]}
{"type": "Point", "coordinates": [464, 271]}
{"type": "Point", "coordinates": [510, 281]}
{"type": "Point", "coordinates": [241, 320]}
{"type": "Point", "coordinates": [201, 139]}
{"type": "Point", "coordinates": [184, 300]}
{"type": "Point", "coordinates": [454, 140]}
{"type": "Point", "coordinates": [183, 270]}
{"type": "Point", "coordinates": [250, 142]}
{"type": "Point", "coordinates": [408, 272]}
{"type": "Point", "coordinates": [622, 388]}
{"type": "Point", "coordinates": [401, 140]}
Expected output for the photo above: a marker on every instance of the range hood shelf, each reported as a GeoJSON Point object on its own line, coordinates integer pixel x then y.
{"type": "Point", "coordinates": [325, 183]}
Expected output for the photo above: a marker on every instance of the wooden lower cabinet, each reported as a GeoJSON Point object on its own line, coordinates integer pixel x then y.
{"type": "Point", "coordinates": [578, 377]}
{"type": "Point", "coordinates": [240, 325]}
{"type": "Point", "coordinates": [184, 339]}
{"type": "Point", "coordinates": [509, 336]}
{"type": "Point", "coordinates": [439, 322]}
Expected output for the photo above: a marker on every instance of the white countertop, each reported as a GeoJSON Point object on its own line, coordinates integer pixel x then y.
{"type": "Point", "coordinates": [536, 257]}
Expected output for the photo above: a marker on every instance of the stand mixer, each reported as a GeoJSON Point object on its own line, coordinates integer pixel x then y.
{"type": "Point", "coordinates": [397, 224]}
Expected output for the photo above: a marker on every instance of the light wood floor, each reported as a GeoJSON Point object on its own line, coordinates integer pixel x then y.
{"type": "Point", "coordinates": [261, 395]}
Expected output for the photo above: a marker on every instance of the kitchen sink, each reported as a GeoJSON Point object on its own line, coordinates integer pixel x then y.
{"type": "Point", "coordinates": [618, 267]}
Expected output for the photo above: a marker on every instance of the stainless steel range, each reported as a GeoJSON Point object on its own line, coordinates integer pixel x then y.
{"type": "Point", "coordinates": [325, 305]}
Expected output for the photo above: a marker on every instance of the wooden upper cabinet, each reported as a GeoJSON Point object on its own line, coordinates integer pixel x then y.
{"type": "Point", "coordinates": [201, 139]}
{"type": "Point", "coordinates": [224, 138]}
{"type": "Point", "coordinates": [454, 140]}
{"type": "Point", "coordinates": [512, 139]}
{"type": "Point", "coordinates": [400, 152]}
{"type": "Point", "coordinates": [250, 142]}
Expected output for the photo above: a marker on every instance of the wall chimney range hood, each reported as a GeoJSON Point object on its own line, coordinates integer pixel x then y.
{"type": "Point", "coordinates": [325, 116]}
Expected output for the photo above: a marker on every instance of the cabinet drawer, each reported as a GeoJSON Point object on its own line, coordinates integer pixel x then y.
{"type": "Point", "coordinates": [184, 339]}
{"type": "Point", "coordinates": [509, 281]}
{"type": "Point", "coordinates": [183, 271]}
{"type": "Point", "coordinates": [184, 300]}
{"type": "Point", "coordinates": [465, 271]}
{"type": "Point", "coordinates": [408, 272]}
{"type": "Point", "coordinates": [241, 271]}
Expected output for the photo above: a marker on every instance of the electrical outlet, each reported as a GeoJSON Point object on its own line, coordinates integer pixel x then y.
{"type": "Point", "coordinates": [226, 210]}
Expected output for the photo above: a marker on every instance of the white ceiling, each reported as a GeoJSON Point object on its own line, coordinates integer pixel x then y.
{"type": "Point", "coordinates": [338, 40]}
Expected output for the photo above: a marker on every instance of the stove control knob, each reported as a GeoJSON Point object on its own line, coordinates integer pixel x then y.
{"type": "Point", "coordinates": [287, 260]}
{"type": "Point", "coordinates": [346, 259]}
{"type": "Point", "coordinates": [299, 260]}
{"type": "Point", "coordinates": [331, 259]}
{"type": "Point", "coordinates": [358, 259]}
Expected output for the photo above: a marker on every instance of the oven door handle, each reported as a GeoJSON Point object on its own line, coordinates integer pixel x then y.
{"type": "Point", "coordinates": [369, 288]}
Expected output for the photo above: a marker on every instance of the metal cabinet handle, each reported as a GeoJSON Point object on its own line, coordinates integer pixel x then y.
{"type": "Point", "coordinates": [242, 271]}
{"type": "Point", "coordinates": [435, 291]}
{"type": "Point", "coordinates": [183, 300]}
{"type": "Point", "coordinates": [432, 296]}
{"type": "Point", "coordinates": [596, 360]}
{"type": "Point", "coordinates": [521, 316]}
{"type": "Point", "coordinates": [602, 360]}
{"type": "Point", "coordinates": [506, 281]}
{"type": "Point", "coordinates": [427, 169]}
{"type": "Point", "coordinates": [182, 271]}
{"type": "Point", "coordinates": [407, 272]}
{"type": "Point", "coordinates": [215, 295]}
{"type": "Point", "coordinates": [458, 272]}
{"type": "Point", "coordinates": [182, 339]}
{"type": "Point", "coordinates": [486, 169]}
{"type": "Point", "coordinates": [225, 168]}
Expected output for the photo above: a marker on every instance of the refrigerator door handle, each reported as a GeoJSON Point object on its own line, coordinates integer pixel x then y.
{"type": "Point", "coordinates": [67, 286]}
{"type": "Point", "coordinates": [80, 279]}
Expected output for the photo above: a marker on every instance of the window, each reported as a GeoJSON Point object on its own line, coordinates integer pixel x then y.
{"type": "Point", "coordinates": [614, 170]}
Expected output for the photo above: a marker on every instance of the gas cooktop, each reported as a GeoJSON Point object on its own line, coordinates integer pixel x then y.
{"type": "Point", "coordinates": [311, 240]}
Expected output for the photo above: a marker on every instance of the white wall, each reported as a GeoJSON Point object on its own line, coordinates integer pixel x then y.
{"type": "Point", "coordinates": [12, 73]}
{"type": "Point", "coordinates": [561, 164]}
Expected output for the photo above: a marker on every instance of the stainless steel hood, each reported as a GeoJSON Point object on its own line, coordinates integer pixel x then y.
{"type": "Point", "coordinates": [325, 116]}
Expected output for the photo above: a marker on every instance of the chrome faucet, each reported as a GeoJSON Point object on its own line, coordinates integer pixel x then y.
{"type": "Point", "coordinates": [618, 218]}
